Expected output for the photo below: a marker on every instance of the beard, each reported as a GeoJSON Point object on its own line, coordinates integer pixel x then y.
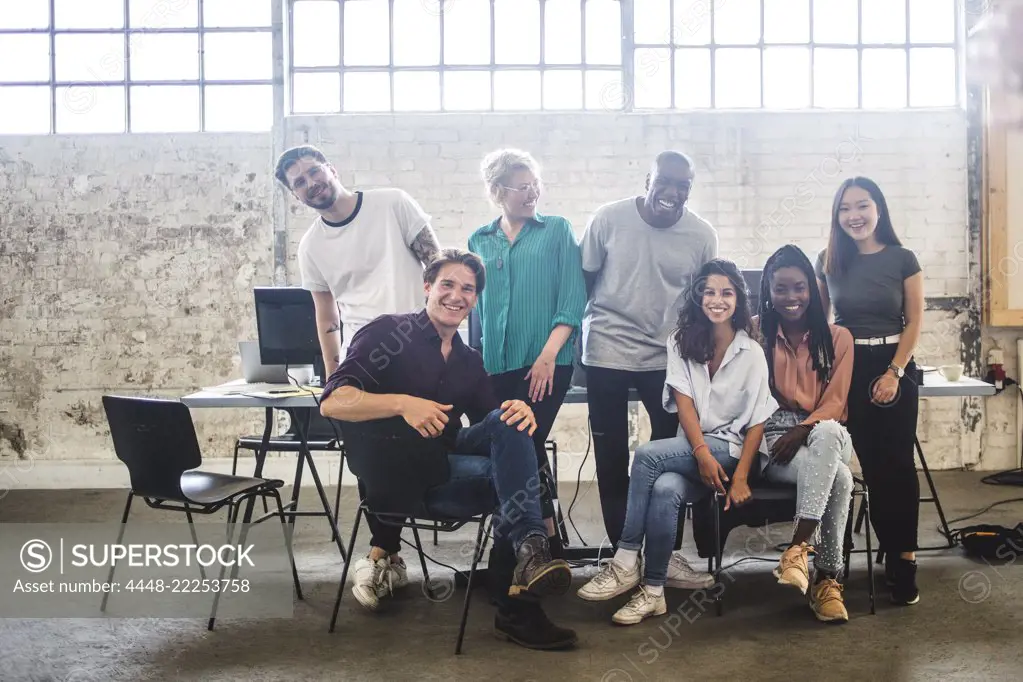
{"type": "Point", "coordinates": [324, 200]}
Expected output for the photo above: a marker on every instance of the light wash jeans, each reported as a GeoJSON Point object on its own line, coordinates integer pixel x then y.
{"type": "Point", "coordinates": [820, 471]}
{"type": "Point", "coordinates": [665, 475]}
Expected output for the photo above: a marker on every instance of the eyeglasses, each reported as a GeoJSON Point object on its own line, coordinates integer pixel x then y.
{"type": "Point", "coordinates": [535, 188]}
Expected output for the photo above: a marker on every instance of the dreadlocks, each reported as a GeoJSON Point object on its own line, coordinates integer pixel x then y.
{"type": "Point", "coordinates": [822, 351]}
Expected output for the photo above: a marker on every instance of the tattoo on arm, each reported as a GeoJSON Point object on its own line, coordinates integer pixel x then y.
{"type": "Point", "coordinates": [337, 359]}
{"type": "Point", "coordinates": [425, 245]}
{"type": "Point", "coordinates": [335, 327]}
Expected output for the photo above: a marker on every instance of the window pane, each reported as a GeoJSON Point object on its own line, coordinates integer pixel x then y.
{"type": "Point", "coordinates": [163, 14]}
{"type": "Point", "coordinates": [884, 78]}
{"type": "Point", "coordinates": [28, 111]}
{"type": "Point", "coordinates": [517, 31]}
{"type": "Point", "coordinates": [652, 21]}
{"type": "Point", "coordinates": [604, 90]}
{"type": "Point", "coordinates": [692, 78]}
{"type": "Point", "coordinates": [467, 33]}
{"type": "Point", "coordinates": [367, 33]}
{"type": "Point", "coordinates": [165, 108]}
{"type": "Point", "coordinates": [239, 108]}
{"type": "Point", "coordinates": [517, 90]}
{"type": "Point", "coordinates": [835, 21]}
{"type": "Point", "coordinates": [416, 32]}
{"type": "Point", "coordinates": [737, 22]}
{"type": "Point", "coordinates": [692, 22]}
{"type": "Point", "coordinates": [562, 40]}
{"type": "Point", "coordinates": [370, 91]}
{"type": "Point", "coordinates": [26, 14]}
{"type": "Point", "coordinates": [932, 74]}
{"type": "Point", "coordinates": [223, 13]}
{"type": "Point", "coordinates": [835, 78]}
{"type": "Point", "coordinates": [93, 14]}
{"type": "Point", "coordinates": [238, 56]}
{"type": "Point", "coordinates": [316, 93]}
{"type": "Point", "coordinates": [90, 109]}
{"type": "Point", "coordinates": [603, 32]}
{"type": "Point", "coordinates": [317, 33]}
{"type": "Point", "coordinates": [563, 90]}
{"type": "Point", "coordinates": [787, 21]}
{"type": "Point", "coordinates": [884, 21]}
{"type": "Point", "coordinates": [90, 57]}
{"type": "Point", "coordinates": [653, 78]}
{"type": "Point", "coordinates": [164, 56]}
{"type": "Point", "coordinates": [737, 78]}
{"type": "Point", "coordinates": [932, 21]}
{"type": "Point", "coordinates": [466, 90]}
{"type": "Point", "coordinates": [24, 58]}
{"type": "Point", "coordinates": [416, 91]}
{"type": "Point", "coordinates": [787, 77]}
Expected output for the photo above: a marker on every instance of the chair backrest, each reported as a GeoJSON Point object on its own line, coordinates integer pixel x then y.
{"type": "Point", "coordinates": [395, 465]}
{"type": "Point", "coordinates": [320, 428]}
{"type": "Point", "coordinates": [155, 438]}
{"type": "Point", "coordinates": [475, 330]}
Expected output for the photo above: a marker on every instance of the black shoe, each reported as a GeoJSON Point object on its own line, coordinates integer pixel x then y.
{"type": "Point", "coordinates": [527, 625]}
{"type": "Point", "coordinates": [557, 549]}
{"type": "Point", "coordinates": [536, 573]}
{"type": "Point", "coordinates": [904, 590]}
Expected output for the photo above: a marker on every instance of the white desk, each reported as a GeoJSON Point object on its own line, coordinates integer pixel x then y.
{"type": "Point", "coordinates": [936, 386]}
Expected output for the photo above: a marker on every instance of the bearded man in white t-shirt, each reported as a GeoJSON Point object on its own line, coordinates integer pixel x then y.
{"type": "Point", "coordinates": [361, 258]}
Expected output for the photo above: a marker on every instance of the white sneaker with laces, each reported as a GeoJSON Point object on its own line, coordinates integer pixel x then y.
{"type": "Point", "coordinates": [684, 576]}
{"type": "Point", "coordinates": [399, 573]}
{"type": "Point", "coordinates": [373, 580]}
{"type": "Point", "coordinates": [611, 580]}
{"type": "Point", "coordinates": [643, 604]}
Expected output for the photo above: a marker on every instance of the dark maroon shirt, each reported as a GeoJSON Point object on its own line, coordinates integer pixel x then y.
{"type": "Point", "coordinates": [401, 354]}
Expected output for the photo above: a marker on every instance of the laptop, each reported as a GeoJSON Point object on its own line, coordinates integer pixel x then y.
{"type": "Point", "coordinates": [255, 372]}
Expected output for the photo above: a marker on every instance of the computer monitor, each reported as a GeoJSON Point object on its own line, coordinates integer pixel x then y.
{"type": "Point", "coordinates": [286, 325]}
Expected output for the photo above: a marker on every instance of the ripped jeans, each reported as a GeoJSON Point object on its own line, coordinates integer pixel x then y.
{"type": "Point", "coordinates": [824, 483]}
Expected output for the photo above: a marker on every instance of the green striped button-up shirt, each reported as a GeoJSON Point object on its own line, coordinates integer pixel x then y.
{"type": "Point", "coordinates": [533, 285]}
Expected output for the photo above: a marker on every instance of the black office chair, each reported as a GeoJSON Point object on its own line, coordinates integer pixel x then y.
{"type": "Point", "coordinates": [156, 441]}
{"type": "Point", "coordinates": [396, 466]}
{"type": "Point", "coordinates": [771, 503]}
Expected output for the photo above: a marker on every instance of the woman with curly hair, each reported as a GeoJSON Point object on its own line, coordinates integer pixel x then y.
{"type": "Point", "coordinates": [717, 383]}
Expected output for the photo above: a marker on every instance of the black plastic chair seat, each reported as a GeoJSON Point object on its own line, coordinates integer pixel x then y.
{"type": "Point", "coordinates": [773, 492]}
{"type": "Point", "coordinates": [207, 487]}
{"type": "Point", "coordinates": [288, 442]}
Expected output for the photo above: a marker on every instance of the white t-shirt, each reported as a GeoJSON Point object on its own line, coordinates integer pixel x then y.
{"type": "Point", "coordinates": [366, 263]}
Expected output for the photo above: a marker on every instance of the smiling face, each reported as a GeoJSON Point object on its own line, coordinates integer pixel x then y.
{"type": "Point", "coordinates": [790, 293]}
{"type": "Point", "coordinates": [314, 183]}
{"type": "Point", "coordinates": [857, 214]}
{"type": "Point", "coordinates": [451, 296]}
{"type": "Point", "coordinates": [668, 191]}
{"type": "Point", "coordinates": [519, 195]}
{"type": "Point", "coordinates": [719, 299]}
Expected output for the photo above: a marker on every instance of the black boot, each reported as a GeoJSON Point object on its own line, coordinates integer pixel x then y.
{"type": "Point", "coordinates": [525, 623]}
{"type": "Point", "coordinates": [536, 573]}
{"type": "Point", "coordinates": [904, 589]}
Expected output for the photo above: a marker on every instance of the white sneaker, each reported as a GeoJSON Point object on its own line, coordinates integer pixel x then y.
{"type": "Point", "coordinates": [610, 581]}
{"type": "Point", "coordinates": [682, 575]}
{"type": "Point", "coordinates": [373, 580]}
{"type": "Point", "coordinates": [399, 573]}
{"type": "Point", "coordinates": [642, 605]}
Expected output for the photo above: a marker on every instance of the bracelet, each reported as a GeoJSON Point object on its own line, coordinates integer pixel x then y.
{"type": "Point", "coordinates": [701, 445]}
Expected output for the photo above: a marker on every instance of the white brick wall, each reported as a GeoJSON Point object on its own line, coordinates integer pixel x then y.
{"type": "Point", "coordinates": [133, 257]}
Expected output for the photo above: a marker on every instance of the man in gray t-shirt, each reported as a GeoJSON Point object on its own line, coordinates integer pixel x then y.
{"type": "Point", "coordinates": [639, 255]}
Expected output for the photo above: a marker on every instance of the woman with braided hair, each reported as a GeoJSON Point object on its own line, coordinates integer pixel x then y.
{"type": "Point", "coordinates": [809, 372]}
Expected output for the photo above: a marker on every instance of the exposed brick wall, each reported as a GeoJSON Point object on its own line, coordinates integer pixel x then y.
{"type": "Point", "coordinates": [131, 259]}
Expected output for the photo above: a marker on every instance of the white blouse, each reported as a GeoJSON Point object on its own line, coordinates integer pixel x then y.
{"type": "Point", "coordinates": [737, 398]}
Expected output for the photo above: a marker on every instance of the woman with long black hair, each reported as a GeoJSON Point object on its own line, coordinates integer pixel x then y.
{"type": "Point", "coordinates": [810, 366]}
{"type": "Point", "coordinates": [876, 286]}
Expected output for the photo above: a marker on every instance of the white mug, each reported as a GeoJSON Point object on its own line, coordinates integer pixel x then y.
{"type": "Point", "coordinates": [951, 372]}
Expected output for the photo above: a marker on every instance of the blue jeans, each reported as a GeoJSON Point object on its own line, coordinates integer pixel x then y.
{"type": "Point", "coordinates": [493, 468]}
{"type": "Point", "coordinates": [665, 475]}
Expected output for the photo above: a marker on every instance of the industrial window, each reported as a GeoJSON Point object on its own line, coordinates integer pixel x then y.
{"type": "Point", "coordinates": [114, 66]}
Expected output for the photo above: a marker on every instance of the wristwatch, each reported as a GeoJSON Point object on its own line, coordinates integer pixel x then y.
{"type": "Point", "coordinates": [899, 372]}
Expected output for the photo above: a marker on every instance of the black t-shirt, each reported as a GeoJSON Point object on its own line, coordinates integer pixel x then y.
{"type": "Point", "coordinates": [868, 298]}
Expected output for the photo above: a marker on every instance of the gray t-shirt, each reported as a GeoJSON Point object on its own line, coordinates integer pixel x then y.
{"type": "Point", "coordinates": [644, 272]}
{"type": "Point", "coordinates": [868, 298]}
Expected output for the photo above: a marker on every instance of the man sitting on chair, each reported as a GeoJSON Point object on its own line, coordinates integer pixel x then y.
{"type": "Point", "coordinates": [416, 366]}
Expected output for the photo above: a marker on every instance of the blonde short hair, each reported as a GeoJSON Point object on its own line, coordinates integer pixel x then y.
{"type": "Point", "coordinates": [498, 166]}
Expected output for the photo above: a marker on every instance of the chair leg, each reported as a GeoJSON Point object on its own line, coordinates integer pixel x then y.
{"type": "Point", "coordinates": [195, 538]}
{"type": "Point", "coordinates": [422, 560]}
{"type": "Point", "coordinates": [847, 544]}
{"type": "Point", "coordinates": [246, 520]}
{"type": "Point", "coordinates": [234, 461]}
{"type": "Point", "coordinates": [477, 555]}
{"type": "Point", "coordinates": [344, 573]}
{"type": "Point", "coordinates": [435, 527]}
{"type": "Point", "coordinates": [288, 537]}
{"type": "Point", "coordinates": [870, 564]}
{"type": "Point", "coordinates": [120, 537]}
{"type": "Point", "coordinates": [718, 605]}
{"type": "Point", "coordinates": [337, 497]}
{"type": "Point", "coordinates": [859, 519]}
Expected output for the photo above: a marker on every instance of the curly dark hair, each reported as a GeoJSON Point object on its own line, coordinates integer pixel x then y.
{"type": "Point", "coordinates": [822, 350]}
{"type": "Point", "coordinates": [694, 334]}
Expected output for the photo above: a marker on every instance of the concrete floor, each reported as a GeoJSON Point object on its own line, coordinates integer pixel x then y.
{"type": "Point", "coordinates": [968, 625]}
